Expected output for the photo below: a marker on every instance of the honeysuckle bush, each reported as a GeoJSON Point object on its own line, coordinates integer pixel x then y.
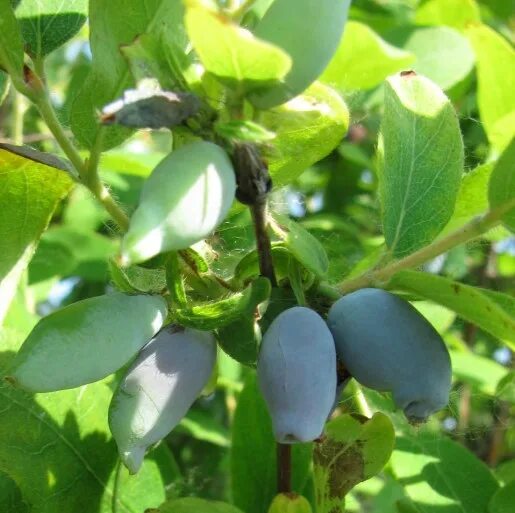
{"type": "Point", "coordinates": [185, 172]}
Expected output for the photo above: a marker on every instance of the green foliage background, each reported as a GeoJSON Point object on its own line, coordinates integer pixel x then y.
{"type": "Point", "coordinates": [348, 190]}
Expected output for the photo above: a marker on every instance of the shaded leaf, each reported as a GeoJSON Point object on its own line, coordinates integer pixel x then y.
{"type": "Point", "coordinates": [503, 500]}
{"type": "Point", "coordinates": [239, 340]}
{"type": "Point", "coordinates": [492, 313]}
{"type": "Point", "coordinates": [48, 24]}
{"type": "Point", "coordinates": [363, 59]}
{"type": "Point", "coordinates": [353, 450]}
{"type": "Point", "coordinates": [158, 56]}
{"type": "Point", "coordinates": [303, 246]}
{"type": "Point", "coordinates": [4, 86]}
{"type": "Point", "coordinates": [30, 193]}
{"type": "Point", "coordinates": [110, 75]}
{"type": "Point", "coordinates": [501, 190]}
{"type": "Point", "coordinates": [472, 199]}
{"type": "Point", "coordinates": [481, 373]}
{"type": "Point", "coordinates": [11, 43]}
{"type": "Point", "coordinates": [216, 314]}
{"type": "Point", "coordinates": [68, 461]}
{"type": "Point", "coordinates": [506, 392]}
{"type": "Point", "coordinates": [195, 505]}
{"type": "Point", "coordinates": [253, 454]}
{"type": "Point", "coordinates": [423, 162]}
{"type": "Point", "coordinates": [202, 426]}
{"type": "Point", "coordinates": [431, 470]}
{"type": "Point", "coordinates": [496, 82]}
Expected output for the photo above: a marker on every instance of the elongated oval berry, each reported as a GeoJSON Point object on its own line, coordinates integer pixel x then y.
{"type": "Point", "coordinates": [158, 390]}
{"type": "Point", "coordinates": [297, 374]}
{"type": "Point", "coordinates": [387, 345]}
{"type": "Point", "coordinates": [86, 341]}
{"type": "Point", "coordinates": [185, 198]}
{"type": "Point", "coordinates": [310, 33]}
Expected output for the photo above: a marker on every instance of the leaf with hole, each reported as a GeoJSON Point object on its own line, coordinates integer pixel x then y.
{"type": "Point", "coordinates": [353, 450]}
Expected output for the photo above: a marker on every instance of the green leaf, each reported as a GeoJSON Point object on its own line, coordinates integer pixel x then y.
{"type": "Point", "coordinates": [303, 246]}
{"type": "Point", "coordinates": [423, 162]}
{"type": "Point", "coordinates": [496, 82]}
{"type": "Point", "coordinates": [239, 340]}
{"type": "Point", "coordinates": [65, 436]}
{"type": "Point", "coordinates": [136, 279]}
{"type": "Point", "coordinates": [248, 267]}
{"type": "Point", "coordinates": [501, 190]}
{"type": "Point", "coordinates": [453, 13]}
{"type": "Point", "coordinates": [506, 390]}
{"type": "Point", "coordinates": [307, 129]}
{"type": "Point", "coordinates": [481, 373]}
{"type": "Point", "coordinates": [30, 193]}
{"type": "Point", "coordinates": [442, 54]}
{"type": "Point", "coordinates": [363, 59]}
{"type": "Point", "coordinates": [493, 313]}
{"type": "Point", "coordinates": [195, 505]}
{"type": "Point", "coordinates": [431, 469]}
{"type": "Point", "coordinates": [110, 74]}
{"type": "Point", "coordinates": [68, 461]}
{"type": "Point", "coordinates": [503, 500]}
{"type": "Point", "coordinates": [472, 197]}
{"type": "Point", "coordinates": [216, 314]}
{"type": "Point", "coordinates": [231, 53]}
{"type": "Point", "coordinates": [253, 454]}
{"type": "Point", "coordinates": [290, 503]}
{"type": "Point", "coordinates": [202, 426]}
{"type": "Point", "coordinates": [11, 43]}
{"type": "Point", "coordinates": [4, 86]}
{"type": "Point", "coordinates": [243, 130]}
{"type": "Point", "coordinates": [174, 280]}
{"type": "Point", "coordinates": [48, 24]}
{"type": "Point", "coordinates": [51, 259]}
{"type": "Point", "coordinates": [353, 450]}
{"type": "Point", "coordinates": [11, 499]}
{"type": "Point", "coordinates": [158, 56]}
{"type": "Point", "coordinates": [505, 472]}
{"type": "Point", "coordinates": [91, 251]}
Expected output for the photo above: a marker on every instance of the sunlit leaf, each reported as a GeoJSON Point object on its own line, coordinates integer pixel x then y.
{"type": "Point", "coordinates": [30, 193]}
{"type": "Point", "coordinates": [423, 162]}
{"type": "Point", "coordinates": [48, 24]}
{"type": "Point", "coordinates": [496, 82]}
{"type": "Point", "coordinates": [432, 469]}
{"type": "Point", "coordinates": [492, 311]}
{"type": "Point", "coordinates": [363, 59]}
{"type": "Point", "coordinates": [233, 54]}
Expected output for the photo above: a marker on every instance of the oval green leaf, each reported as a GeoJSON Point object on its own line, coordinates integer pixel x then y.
{"type": "Point", "coordinates": [422, 164]}
{"type": "Point", "coordinates": [363, 59]}
{"type": "Point", "coordinates": [231, 53]}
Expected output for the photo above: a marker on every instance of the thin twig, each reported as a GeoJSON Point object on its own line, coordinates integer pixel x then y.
{"type": "Point", "coordinates": [264, 246]}
{"type": "Point", "coordinates": [283, 468]}
{"type": "Point", "coordinates": [466, 233]}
